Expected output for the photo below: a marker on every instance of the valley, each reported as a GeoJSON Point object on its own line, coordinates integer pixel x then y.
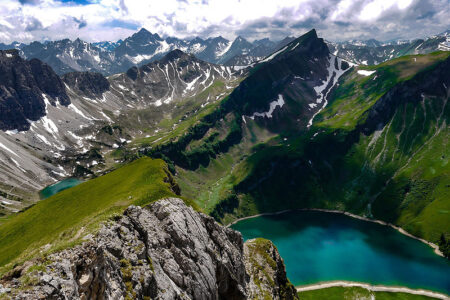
{"type": "Point", "coordinates": [83, 135]}
{"type": "Point", "coordinates": [339, 162]}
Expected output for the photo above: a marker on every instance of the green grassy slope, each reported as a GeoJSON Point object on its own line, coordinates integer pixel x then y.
{"type": "Point", "coordinates": [398, 173]}
{"type": "Point", "coordinates": [356, 293]}
{"type": "Point", "coordinates": [391, 164]}
{"type": "Point", "coordinates": [66, 217]}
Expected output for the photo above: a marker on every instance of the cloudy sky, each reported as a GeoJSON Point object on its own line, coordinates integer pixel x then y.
{"type": "Point", "coordinates": [99, 20]}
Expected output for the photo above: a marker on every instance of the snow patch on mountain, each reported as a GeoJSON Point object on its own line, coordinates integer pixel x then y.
{"type": "Point", "coordinates": [273, 55]}
{"type": "Point", "coordinates": [76, 110]}
{"type": "Point", "coordinates": [365, 72]}
{"type": "Point", "coordinates": [7, 149]}
{"type": "Point", "coordinates": [222, 49]}
{"type": "Point", "coordinates": [138, 58]}
{"type": "Point", "coordinates": [332, 77]}
{"type": "Point", "coordinates": [268, 114]}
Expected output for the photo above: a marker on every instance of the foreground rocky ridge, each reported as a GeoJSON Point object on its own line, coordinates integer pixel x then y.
{"type": "Point", "coordinates": [164, 251]}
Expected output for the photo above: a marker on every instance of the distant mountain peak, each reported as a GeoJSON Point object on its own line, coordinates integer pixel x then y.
{"type": "Point", "coordinates": [145, 34]}
{"type": "Point", "coordinates": [174, 54]}
{"type": "Point", "coordinates": [197, 40]}
{"type": "Point", "coordinates": [143, 31]}
{"type": "Point", "coordinates": [218, 39]}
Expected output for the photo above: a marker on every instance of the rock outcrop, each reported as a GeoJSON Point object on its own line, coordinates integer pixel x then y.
{"type": "Point", "coordinates": [265, 266]}
{"type": "Point", "coordinates": [163, 251]}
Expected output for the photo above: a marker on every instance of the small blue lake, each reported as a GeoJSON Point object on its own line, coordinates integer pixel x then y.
{"type": "Point", "coordinates": [58, 187]}
{"type": "Point", "coordinates": [320, 246]}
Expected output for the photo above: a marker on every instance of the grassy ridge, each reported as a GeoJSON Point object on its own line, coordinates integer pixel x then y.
{"type": "Point", "coordinates": [69, 215]}
{"type": "Point", "coordinates": [356, 93]}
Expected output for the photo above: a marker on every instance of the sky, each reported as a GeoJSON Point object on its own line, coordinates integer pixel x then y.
{"type": "Point", "coordinates": [110, 20]}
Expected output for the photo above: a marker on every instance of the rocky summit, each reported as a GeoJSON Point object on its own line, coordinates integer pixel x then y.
{"type": "Point", "coordinates": [163, 251]}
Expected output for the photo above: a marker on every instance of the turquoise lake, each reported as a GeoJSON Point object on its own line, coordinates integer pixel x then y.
{"type": "Point", "coordinates": [58, 187]}
{"type": "Point", "coordinates": [320, 246]}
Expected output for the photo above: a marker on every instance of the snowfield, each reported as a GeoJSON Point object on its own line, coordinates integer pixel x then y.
{"type": "Point", "coordinates": [268, 114]}
{"type": "Point", "coordinates": [365, 72]}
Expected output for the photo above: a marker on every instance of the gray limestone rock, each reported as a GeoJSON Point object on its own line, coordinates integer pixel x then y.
{"type": "Point", "coordinates": [163, 251]}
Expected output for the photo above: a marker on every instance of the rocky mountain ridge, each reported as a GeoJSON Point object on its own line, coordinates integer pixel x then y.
{"type": "Point", "coordinates": [163, 251]}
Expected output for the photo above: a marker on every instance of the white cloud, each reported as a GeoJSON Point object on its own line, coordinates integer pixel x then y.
{"type": "Point", "coordinates": [375, 8]}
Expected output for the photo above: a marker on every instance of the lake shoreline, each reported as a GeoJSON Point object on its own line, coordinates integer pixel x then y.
{"type": "Point", "coordinates": [399, 229]}
{"type": "Point", "coordinates": [373, 288]}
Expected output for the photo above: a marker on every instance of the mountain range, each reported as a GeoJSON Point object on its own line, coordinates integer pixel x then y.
{"type": "Point", "coordinates": [372, 52]}
{"type": "Point", "coordinates": [142, 47]}
{"type": "Point", "coordinates": [297, 124]}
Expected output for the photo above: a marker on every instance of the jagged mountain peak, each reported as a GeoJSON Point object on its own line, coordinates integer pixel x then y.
{"type": "Point", "coordinates": [197, 40]}
{"type": "Point", "coordinates": [143, 46]}
{"type": "Point", "coordinates": [240, 39]}
{"type": "Point", "coordinates": [308, 44]}
{"type": "Point", "coordinates": [302, 71]}
{"type": "Point", "coordinates": [145, 34]}
{"type": "Point", "coordinates": [176, 54]}
{"type": "Point", "coordinates": [217, 39]}
{"type": "Point", "coordinates": [310, 34]}
{"type": "Point", "coordinates": [143, 31]}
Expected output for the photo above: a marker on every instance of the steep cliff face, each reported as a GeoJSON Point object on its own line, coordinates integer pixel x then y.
{"type": "Point", "coordinates": [89, 84]}
{"type": "Point", "coordinates": [164, 251]}
{"type": "Point", "coordinates": [22, 88]}
{"type": "Point", "coordinates": [267, 273]}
